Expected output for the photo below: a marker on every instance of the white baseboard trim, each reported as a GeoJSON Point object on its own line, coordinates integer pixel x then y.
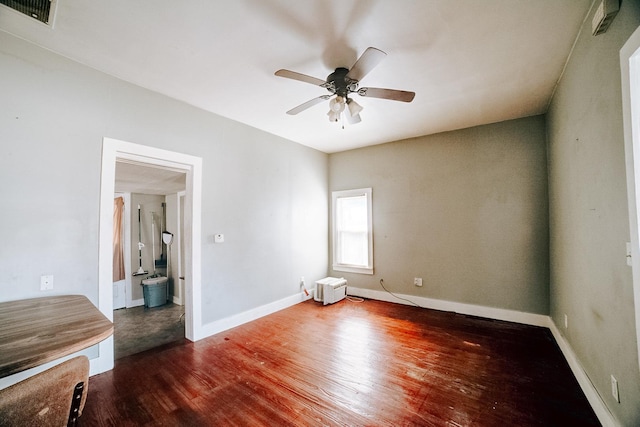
{"type": "Point", "coordinates": [248, 316]}
{"type": "Point", "coordinates": [456, 307]}
{"type": "Point", "coordinates": [135, 303]}
{"type": "Point", "coordinates": [594, 398]}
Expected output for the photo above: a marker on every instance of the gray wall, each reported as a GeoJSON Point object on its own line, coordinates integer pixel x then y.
{"type": "Point", "coordinates": [464, 210]}
{"type": "Point", "coordinates": [589, 222]}
{"type": "Point", "coordinates": [268, 195]}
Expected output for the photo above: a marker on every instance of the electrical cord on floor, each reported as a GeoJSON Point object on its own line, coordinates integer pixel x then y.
{"type": "Point", "coordinates": [404, 299]}
{"type": "Point", "coordinates": [354, 299]}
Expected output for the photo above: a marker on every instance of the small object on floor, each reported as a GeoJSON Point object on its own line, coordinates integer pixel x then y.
{"type": "Point", "coordinates": [154, 291]}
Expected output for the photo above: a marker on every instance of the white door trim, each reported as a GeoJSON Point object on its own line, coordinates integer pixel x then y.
{"type": "Point", "coordinates": [630, 69]}
{"type": "Point", "coordinates": [113, 149]}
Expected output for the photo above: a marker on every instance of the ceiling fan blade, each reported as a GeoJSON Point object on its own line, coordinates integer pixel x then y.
{"type": "Point", "coordinates": [392, 94]}
{"type": "Point", "coordinates": [300, 108]}
{"type": "Point", "coordinates": [367, 61]}
{"type": "Point", "coordinates": [300, 77]}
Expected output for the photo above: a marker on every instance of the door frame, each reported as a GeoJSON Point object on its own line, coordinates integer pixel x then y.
{"type": "Point", "coordinates": [113, 149]}
{"type": "Point", "coordinates": [630, 79]}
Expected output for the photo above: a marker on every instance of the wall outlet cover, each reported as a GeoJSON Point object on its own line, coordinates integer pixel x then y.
{"type": "Point", "coordinates": [46, 283]}
{"type": "Point", "coordinates": [614, 389]}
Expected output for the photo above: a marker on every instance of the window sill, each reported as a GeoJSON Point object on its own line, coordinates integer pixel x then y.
{"type": "Point", "coordinates": [352, 269]}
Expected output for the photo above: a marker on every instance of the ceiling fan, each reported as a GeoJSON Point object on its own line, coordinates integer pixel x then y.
{"type": "Point", "coordinates": [342, 83]}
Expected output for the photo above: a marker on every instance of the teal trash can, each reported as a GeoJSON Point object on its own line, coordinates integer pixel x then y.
{"type": "Point", "coordinates": [154, 291]}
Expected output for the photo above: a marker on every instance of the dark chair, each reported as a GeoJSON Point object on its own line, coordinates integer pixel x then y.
{"type": "Point", "coordinates": [54, 397]}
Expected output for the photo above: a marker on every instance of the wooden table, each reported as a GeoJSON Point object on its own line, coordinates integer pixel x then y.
{"type": "Point", "coordinates": [38, 330]}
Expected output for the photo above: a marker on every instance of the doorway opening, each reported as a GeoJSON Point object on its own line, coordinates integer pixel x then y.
{"type": "Point", "coordinates": [114, 151]}
{"type": "Point", "coordinates": [148, 299]}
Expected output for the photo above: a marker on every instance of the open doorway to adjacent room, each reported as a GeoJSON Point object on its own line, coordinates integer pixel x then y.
{"type": "Point", "coordinates": [148, 295]}
{"type": "Point", "coordinates": [179, 258]}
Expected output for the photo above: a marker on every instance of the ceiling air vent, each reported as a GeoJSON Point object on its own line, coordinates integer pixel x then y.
{"type": "Point", "coordinates": [37, 9]}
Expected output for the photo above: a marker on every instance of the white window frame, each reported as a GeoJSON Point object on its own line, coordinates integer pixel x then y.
{"type": "Point", "coordinates": [337, 266]}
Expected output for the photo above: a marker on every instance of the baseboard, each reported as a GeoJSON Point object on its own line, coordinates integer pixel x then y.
{"type": "Point", "coordinates": [249, 315]}
{"type": "Point", "coordinates": [135, 303]}
{"type": "Point", "coordinates": [596, 402]}
{"type": "Point", "coordinates": [456, 307]}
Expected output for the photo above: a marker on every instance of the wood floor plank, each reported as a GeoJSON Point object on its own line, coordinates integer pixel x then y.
{"type": "Point", "coordinates": [357, 364]}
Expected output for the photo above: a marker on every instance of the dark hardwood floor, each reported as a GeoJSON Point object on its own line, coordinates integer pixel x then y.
{"type": "Point", "coordinates": [348, 364]}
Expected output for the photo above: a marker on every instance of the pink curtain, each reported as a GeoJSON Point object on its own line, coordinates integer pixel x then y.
{"type": "Point", "coordinates": [118, 249]}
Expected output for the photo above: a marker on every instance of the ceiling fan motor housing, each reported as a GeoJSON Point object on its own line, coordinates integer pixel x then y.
{"type": "Point", "coordinates": [340, 84]}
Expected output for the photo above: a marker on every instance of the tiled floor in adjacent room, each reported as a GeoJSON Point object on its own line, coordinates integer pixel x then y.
{"type": "Point", "coordinates": [138, 329]}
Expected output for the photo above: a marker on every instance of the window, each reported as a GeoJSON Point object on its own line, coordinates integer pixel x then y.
{"type": "Point", "coordinates": [352, 231]}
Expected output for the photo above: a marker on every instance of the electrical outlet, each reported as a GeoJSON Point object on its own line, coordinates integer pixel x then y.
{"type": "Point", "coordinates": [566, 321]}
{"type": "Point", "coordinates": [417, 281]}
{"type": "Point", "coordinates": [46, 283]}
{"type": "Point", "coordinates": [614, 389]}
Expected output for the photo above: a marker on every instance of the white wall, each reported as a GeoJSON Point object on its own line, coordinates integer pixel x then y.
{"type": "Point", "coordinates": [266, 194]}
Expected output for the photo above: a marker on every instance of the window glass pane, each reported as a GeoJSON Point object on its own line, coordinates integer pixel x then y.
{"type": "Point", "coordinates": [352, 213]}
{"type": "Point", "coordinates": [353, 248]}
{"type": "Point", "coordinates": [352, 231]}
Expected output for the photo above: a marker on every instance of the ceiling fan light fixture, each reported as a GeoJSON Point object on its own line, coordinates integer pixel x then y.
{"type": "Point", "coordinates": [334, 116]}
{"type": "Point", "coordinates": [354, 119]}
{"type": "Point", "coordinates": [354, 107]}
{"type": "Point", "coordinates": [337, 104]}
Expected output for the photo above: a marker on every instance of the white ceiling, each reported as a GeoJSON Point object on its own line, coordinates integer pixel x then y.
{"type": "Point", "coordinates": [139, 178]}
{"type": "Point", "coordinates": [470, 62]}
